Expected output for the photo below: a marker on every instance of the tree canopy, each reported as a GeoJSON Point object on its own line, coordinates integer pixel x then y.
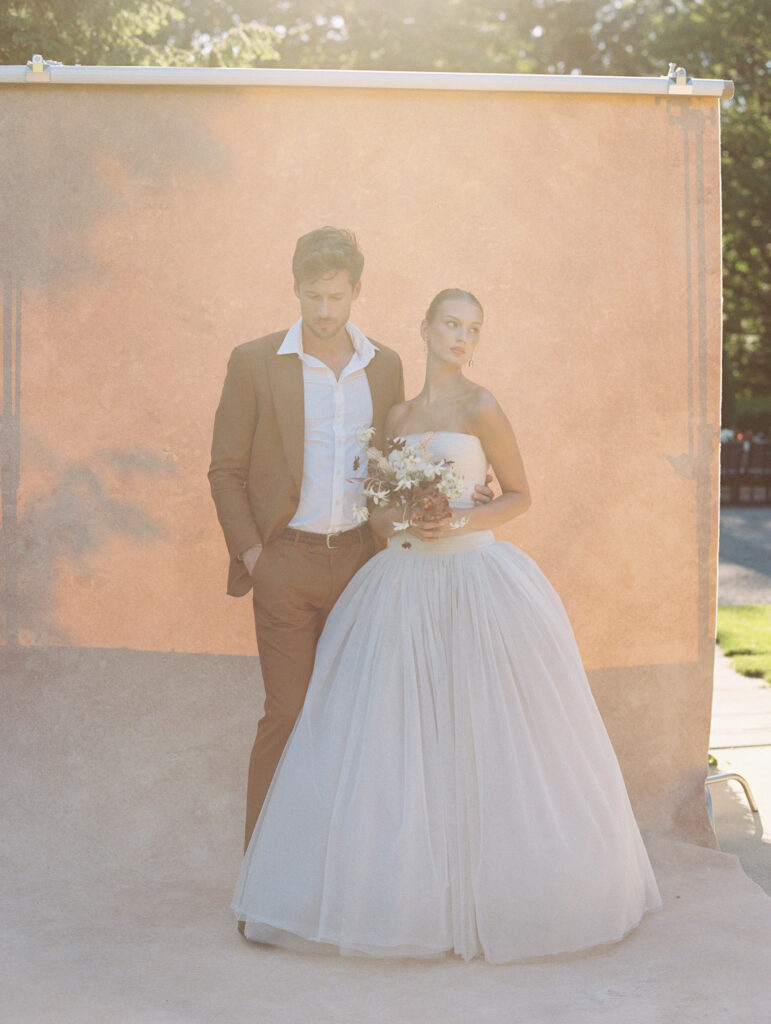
{"type": "Point", "coordinates": [711, 38]}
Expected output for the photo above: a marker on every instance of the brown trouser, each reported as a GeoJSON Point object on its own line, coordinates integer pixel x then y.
{"type": "Point", "coordinates": [296, 582]}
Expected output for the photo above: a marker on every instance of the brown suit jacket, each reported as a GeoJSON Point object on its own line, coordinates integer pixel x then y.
{"type": "Point", "coordinates": [256, 466]}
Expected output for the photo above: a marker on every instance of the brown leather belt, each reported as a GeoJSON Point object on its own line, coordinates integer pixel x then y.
{"type": "Point", "coordinates": [343, 538]}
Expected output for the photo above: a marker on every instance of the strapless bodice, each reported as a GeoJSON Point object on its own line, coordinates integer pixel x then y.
{"type": "Point", "coordinates": [466, 453]}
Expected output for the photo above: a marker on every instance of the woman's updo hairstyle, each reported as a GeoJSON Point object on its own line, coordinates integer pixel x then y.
{"type": "Point", "coordinates": [448, 294]}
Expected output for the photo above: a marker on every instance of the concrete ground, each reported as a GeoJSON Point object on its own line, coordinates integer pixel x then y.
{"type": "Point", "coordinates": [121, 808]}
{"type": "Point", "coordinates": [122, 811]}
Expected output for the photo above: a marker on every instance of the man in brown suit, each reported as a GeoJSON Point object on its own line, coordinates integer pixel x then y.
{"type": "Point", "coordinates": [286, 434]}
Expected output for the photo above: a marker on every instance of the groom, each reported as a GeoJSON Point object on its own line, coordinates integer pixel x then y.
{"type": "Point", "coordinates": [286, 434]}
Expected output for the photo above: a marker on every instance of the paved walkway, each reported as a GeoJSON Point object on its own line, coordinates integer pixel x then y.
{"type": "Point", "coordinates": [740, 737]}
{"type": "Point", "coordinates": [744, 570]}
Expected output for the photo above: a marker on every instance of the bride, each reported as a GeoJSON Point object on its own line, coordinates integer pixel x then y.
{"type": "Point", "coordinates": [449, 785]}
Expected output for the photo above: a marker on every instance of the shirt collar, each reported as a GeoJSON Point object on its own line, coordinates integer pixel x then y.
{"type": "Point", "coordinates": [293, 342]}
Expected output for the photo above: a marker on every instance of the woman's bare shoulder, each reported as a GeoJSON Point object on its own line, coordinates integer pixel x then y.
{"type": "Point", "coordinates": [482, 404]}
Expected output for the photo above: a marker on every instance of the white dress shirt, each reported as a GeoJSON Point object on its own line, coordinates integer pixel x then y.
{"type": "Point", "coordinates": [336, 412]}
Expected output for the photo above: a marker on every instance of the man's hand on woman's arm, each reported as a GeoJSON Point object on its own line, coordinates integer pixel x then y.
{"type": "Point", "coordinates": [482, 493]}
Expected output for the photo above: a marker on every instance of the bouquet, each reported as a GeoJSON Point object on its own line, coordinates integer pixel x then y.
{"type": "Point", "coordinates": [407, 478]}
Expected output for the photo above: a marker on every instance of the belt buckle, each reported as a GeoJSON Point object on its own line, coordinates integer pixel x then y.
{"type": "Point", "coordinates": [330, 537]}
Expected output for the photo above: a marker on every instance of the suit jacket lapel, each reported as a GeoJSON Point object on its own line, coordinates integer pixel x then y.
{"type": "Point", "coordinates": [379, 399]}
{"type": "Point", "coordinates": [286, 383]}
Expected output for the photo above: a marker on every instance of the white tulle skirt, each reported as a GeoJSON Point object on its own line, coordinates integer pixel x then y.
{"type": "Point", "coordinates": [449, 784]}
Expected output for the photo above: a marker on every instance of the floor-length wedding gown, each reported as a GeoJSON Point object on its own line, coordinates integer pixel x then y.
{"type": "Point", "coordinates": [449, 784]}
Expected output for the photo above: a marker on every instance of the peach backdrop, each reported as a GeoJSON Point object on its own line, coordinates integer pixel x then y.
{"type": "Point", "coordinates": [149, 230]}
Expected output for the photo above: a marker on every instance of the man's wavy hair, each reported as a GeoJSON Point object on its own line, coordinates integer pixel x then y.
{"type": "Point", "coordinates": [326, 251]}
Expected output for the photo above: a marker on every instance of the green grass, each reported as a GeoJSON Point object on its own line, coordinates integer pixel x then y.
{"type": "Point", "coordinates": [744, 633]}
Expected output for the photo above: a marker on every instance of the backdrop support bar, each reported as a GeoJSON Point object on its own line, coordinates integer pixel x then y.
{"type": "Point", "coordinates": [674, 81]}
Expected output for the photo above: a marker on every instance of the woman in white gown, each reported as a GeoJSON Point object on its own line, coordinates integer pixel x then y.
{"type": "Point", "coordinates": [449, 785]}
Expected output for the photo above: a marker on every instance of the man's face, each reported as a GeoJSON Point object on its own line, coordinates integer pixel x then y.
{"type": "Point", "coordinates": [325, 304]}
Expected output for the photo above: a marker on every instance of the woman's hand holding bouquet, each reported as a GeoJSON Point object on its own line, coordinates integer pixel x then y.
{"type": "Point", "coordinates": [407, 481]}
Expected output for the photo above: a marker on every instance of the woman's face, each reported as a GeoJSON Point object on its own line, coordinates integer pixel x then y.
{"type": "Point", "coordinates": [454, 332]}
